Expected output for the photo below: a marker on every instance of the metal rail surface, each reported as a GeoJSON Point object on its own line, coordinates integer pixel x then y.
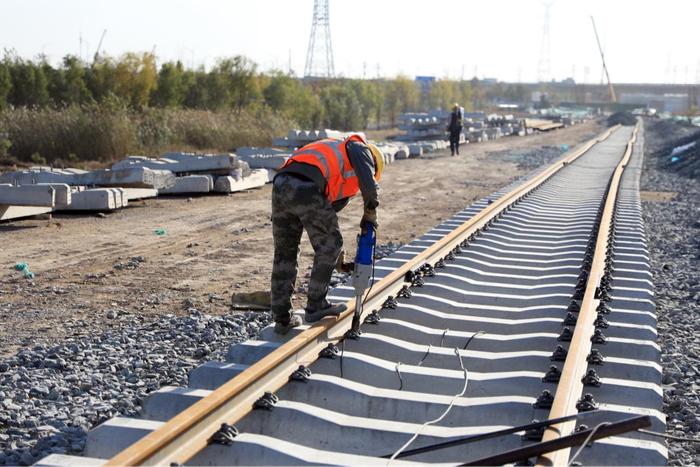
{"type": "Point", "coordinates": [466, 331]}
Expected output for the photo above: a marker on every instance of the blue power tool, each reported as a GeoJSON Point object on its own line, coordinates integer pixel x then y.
{"type": "Point", "coordinates": [362, 271]}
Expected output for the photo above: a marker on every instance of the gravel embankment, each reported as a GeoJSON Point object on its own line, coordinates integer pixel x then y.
{"type": "Point", "coordinates": [673, 231]}
{"type": "Point", "coordinates": [51, 395]}
{"type": "Point", "coordinates": [530, 159]}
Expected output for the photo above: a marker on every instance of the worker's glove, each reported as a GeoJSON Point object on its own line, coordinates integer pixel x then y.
{"type": "Point", "coordinates": [369, 217]}
{"type": "Point", "coordinates": [341, 266]}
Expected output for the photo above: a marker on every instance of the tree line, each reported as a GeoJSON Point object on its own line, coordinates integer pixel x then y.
{"type": "Point", "coordinates": [138, 82]}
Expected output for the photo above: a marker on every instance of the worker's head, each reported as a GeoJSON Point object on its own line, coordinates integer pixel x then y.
{"type": "Point", "coordinates": [378, 161]}
{"type": "Point", "coordinates": [455, 106]}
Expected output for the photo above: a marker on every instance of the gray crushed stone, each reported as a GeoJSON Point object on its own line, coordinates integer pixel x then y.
{"type": "Point", "coordinates": [529, 159]}
{"type": "Point", "coordinates": [51, 396]}
{"type": "Point", "coordinates": [673, 233]}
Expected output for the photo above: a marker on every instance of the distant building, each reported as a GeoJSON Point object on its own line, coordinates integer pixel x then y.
{"type": "Point", "coordinates": [667, 102]}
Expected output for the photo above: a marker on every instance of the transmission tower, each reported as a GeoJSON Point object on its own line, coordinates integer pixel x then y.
{"type": "Point", "coordinates": [319, 56]}
{"type": "Point", "coordinates": [544, 66]}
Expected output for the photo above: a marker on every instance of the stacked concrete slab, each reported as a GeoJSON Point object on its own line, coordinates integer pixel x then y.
{"type": "Point", "coordinates": [264, 158]}
{"type": "Point", "coordinates": [134, 177]}
{"type": "Point", "coordinates": [190, 184]}
{"type": "Point", "coordinates": [184, 162]}
{"type": "Point", "coordinates": [96, 199]}
{"type": "Point", "coordinates": [229, 184]}
{"type": "Point", "coordinates": [298, 138]}
{"type": "Point", "coordinates": [23, 201]}
{"type": "Point", "coordinates": [424, 125]}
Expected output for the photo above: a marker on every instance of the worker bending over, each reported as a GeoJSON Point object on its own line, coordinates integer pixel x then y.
{"type": "Point", "coordinates": [315, 183]}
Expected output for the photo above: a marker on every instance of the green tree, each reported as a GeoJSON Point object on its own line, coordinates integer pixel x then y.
{"type": "Point", "coordinates": [477, 94]}
{"type": "Point", "coordinates": [100, 78]}
{"type": "Point", "coordinates": [29, 84]}
{"type": "Point", "coordinates": [401, 96]}
{"type": "Point", "coordinates": [135, 78]}
{"type": "Point", "coordinates": [443, 94]}
{"type": "Point", "coordinates": [342, 108]}
{"type": "Point", "coordinates": [5, 84]}
{"type": "Point", "coordinates": [171, 90]}
{"type": "Point", "coordinates": [197, 91]}
{"type": "Point", "coordinates": [69, 83]}
{"type": "Point", "coordinates": [370, 99]}
{"type": "Point", "coordinates": [238, 75]}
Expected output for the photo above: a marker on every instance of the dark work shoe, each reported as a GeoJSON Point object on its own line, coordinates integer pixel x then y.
{"type": "Point", "coordinates": [284, 328]}
{"type": "Point", "coordinates": [327, 309]}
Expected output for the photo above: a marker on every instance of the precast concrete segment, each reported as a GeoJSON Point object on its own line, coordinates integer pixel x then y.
{"type": "Point", "coordinates": [190, 184]}
{"type": "Point", "coordinates": [17, 212]}
{"type": "Point", "coordinates": [36, 195]}
{"type": "Point", "coordinates": [228, 184]}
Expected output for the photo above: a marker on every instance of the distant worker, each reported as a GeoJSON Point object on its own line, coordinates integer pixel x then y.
{"type": "Point", "coordinates": [315, 183]}
{"type": "Point", "coordinates": [455, 128]}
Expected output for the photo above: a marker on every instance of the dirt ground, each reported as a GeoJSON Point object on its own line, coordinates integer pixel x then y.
{"type": "Point", "coordinates": [213, 246]}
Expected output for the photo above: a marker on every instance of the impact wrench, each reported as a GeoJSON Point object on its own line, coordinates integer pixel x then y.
{"type": "Point", "coordinates": [362, 273]}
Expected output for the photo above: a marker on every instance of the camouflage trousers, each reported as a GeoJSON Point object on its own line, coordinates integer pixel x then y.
{"type": "Point", "coordinates": [297, 205]}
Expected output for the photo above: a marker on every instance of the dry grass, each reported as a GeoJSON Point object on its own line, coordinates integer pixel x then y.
{"type": "Point", "coordinates": [103, 133]}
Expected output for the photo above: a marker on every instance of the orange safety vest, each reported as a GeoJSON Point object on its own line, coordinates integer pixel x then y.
{"type": "Point", "coordinates": [331, 157]}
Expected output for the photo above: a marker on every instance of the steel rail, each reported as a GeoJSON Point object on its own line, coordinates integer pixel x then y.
{"type": "Point", "coordinates": [184, 435]}
{"type": "Point", "coordinates": [570, 386]}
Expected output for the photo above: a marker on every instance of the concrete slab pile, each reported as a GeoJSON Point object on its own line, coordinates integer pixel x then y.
{"type": "Point", "coordinates": [424, 125]}
{"type": "Point", "coordinates": [263, 158]}
{"type": "Point", "coordinates": [96, 199]}
{"type": "Point", "coordinates": [24, 201]}
{"type": "Point", "coordinates": [190, 184]}
{"type": "Point", "coordinates": [390, 151]}
{"type": "Point", "coordinates": [134, 177]}
{"type": "Point", "coordinates": [229, 184]}
{"type": "Point", "coordinates": [140, 193]}
{"type": "Point", "coordinates": [183, 162]}
{"type": "Point", "coordinates": [298, 138]}
{"type": "Point", "coordinates": [41, 195]}
{"type": "Point", "coordinates": [17, 212]}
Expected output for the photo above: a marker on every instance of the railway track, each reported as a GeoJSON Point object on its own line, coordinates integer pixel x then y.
{"type": "Point", "coordinates": [533, 303]}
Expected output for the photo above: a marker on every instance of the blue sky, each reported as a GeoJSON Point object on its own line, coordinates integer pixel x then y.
{"type": "Point", "coordinates": [644, 41]}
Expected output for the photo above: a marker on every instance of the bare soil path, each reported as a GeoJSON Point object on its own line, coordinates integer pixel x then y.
{"type": "Point", "coordinates": [213, 246]}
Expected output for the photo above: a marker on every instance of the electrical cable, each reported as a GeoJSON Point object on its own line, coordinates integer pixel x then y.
{"type": "Point", "coordinates": [452, 402]}
{"type": "Point", "coordinates": [444, 414]}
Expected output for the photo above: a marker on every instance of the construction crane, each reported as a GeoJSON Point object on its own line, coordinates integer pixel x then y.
{"type": "Point", "coordinates": [99, 46]}
{"type": "Point", "coordinates": [611, 90]}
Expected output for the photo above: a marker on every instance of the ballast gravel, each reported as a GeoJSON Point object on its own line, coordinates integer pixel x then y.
{"type": "Point", "coordinates": [52, 395]}
{"type": "Point", "coordinates": [673, 234]}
